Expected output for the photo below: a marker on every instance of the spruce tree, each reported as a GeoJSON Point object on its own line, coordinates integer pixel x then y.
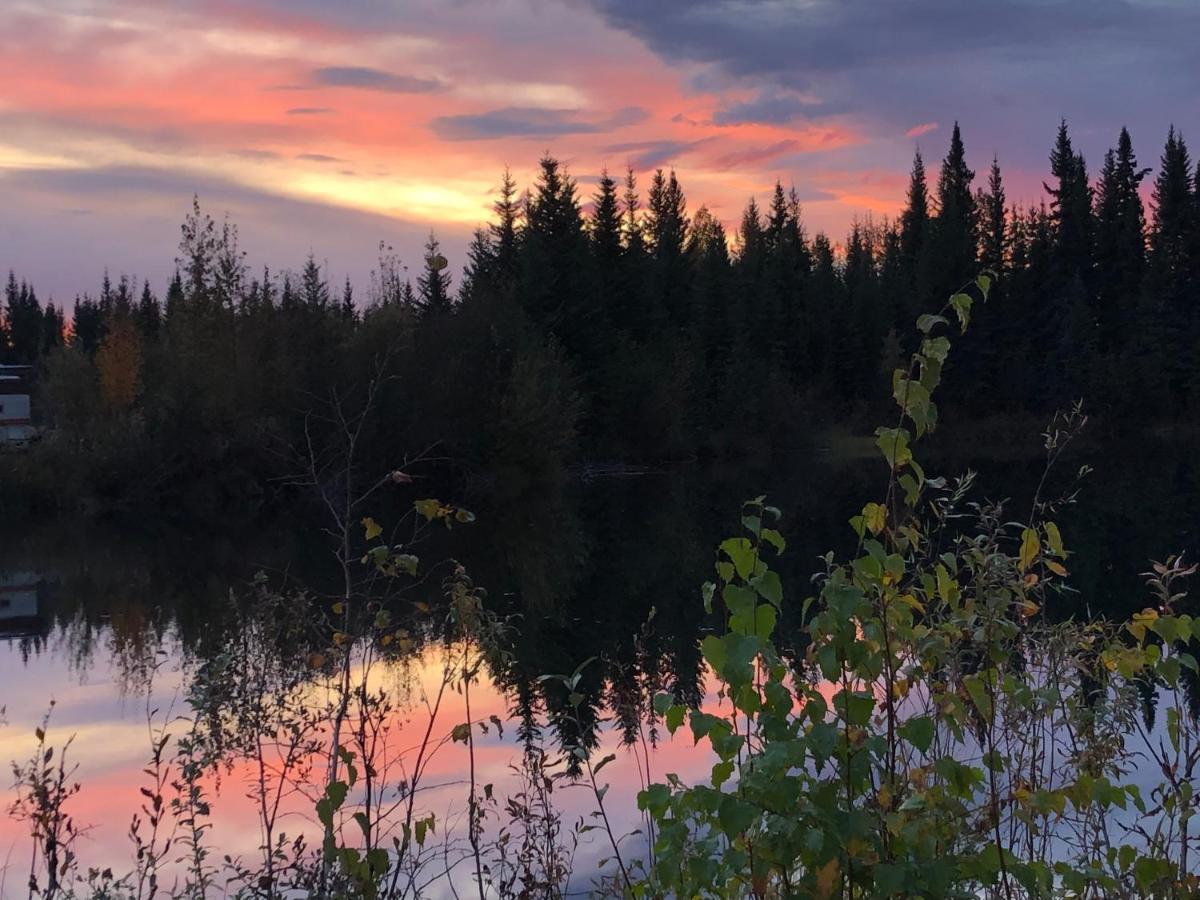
{"type": "Point", "coordinates": [314, 291]}
{"type": "Point", "coordinates": [994, 222]}
{"type": "Point", "coordinates": [433, 284]}
{"type": "Point", "coordinates": [505, 236]}
{"type": "Point", "coordinates": [666, 228]}
{"type": "Point", "coordinates": [1071, 307]}
{"type": "Point", "coordinates": [914, 236]}
{"type": "Point", "coordinates": [605, 226]}
{"type": "Point", "coordinates": [1120, 244]}
{"type": "Point", "coordinates": [52, 329]}
{"type": "Point", "coordinates": [955, 230]}
{"type": "Point", "coordinates": [149, 316]}
{"type": "Point", "coordinates": [1070, 208]}
{"type": "Point", "coordinates": [1172, 281]}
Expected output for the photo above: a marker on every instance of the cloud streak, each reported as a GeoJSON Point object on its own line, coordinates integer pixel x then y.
{"type": "Point", "coordinates": [366, 78]}
{"type": "Point", "coordinates": [530, 122]}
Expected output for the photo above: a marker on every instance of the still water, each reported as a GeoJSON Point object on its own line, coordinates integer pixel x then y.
{"type": "Point", "coordinates": [112, 625]}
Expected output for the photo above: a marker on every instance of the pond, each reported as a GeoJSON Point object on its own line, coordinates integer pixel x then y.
{"type": "Point", "coordinates": [600, 577]}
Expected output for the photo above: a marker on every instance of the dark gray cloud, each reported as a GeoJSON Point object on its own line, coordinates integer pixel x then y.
{"type": "Point", "coordinates": [797, 41]}
{"type": "Point", "coordinates": [310, 111]}
{"type": "Point", "coordinates": [642, 155]}
{"type": "Point", "coordinates": [1009, 69]}
{"type": "Point", "coordinates": [318, 158]}
{"type": "Point", "coordinates": [251, 153]}
{"type": "Point", "coordinates": [774, 107]}
{"type": "Point", "coordinates": [374, 80]}
{"type": "Point", "coordinates": [530, 122]}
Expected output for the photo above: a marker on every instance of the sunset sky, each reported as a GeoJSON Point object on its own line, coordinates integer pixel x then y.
{"type": "Point", "coordinates": [333, 126]}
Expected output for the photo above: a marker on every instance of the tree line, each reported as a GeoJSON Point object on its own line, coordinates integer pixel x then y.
{"type": "Point", "coordinates": [621, 326]}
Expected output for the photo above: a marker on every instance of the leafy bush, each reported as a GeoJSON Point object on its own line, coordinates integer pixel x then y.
{"type": "Point", "coordinates": [943, 736]}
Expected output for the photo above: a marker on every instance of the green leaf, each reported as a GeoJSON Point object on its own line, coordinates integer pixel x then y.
{"type": "Point", "coordinates": [428, 508]}
{"type": "Point", "coordinates": [918, 731]}
{"type": "Point", "coordinates": [1054, 539]}
{"type": "Point", "coordinates": [977, 691]}
{"type": "Point", "coordinates": [741, 553]}
{"type": "Point", "coordinates": [769, 587]}
{"type": "Point", "coordinates": [926, 322]}
{"type": "Point", "coordinates": [893, 442]}
{"type": "Point", "coordinates": [774, 538]}
{"type": "Point", "coordinates": [962, 308]}
{"type": "Point", "coordinates": [736, 816]}
{"type": "Point", "coordinates": [854, 706]}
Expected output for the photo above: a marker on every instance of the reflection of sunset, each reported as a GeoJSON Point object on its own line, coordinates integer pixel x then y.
{"type": "Point", "coordinates": [111, 747]}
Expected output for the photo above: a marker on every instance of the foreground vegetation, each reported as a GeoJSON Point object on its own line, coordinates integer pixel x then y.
{"type": "Point", "coordinates": [632, 330]}
{"type": "Point", "coordinates": [939, 732]}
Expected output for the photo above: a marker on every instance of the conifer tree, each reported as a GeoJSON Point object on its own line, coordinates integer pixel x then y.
{"type": "Point", "coordinates": [149, 316]}
{"type": "Point", "coordinates": [479, 271]}
{"type": "Point", "coordinates": [914, 236]}
{"type": "Point", "coordinates": [505, 236]}
{"type": "Point", "coordinates": [955, 230]}
{"type": "Point", "coordinates": [1071, 315]}
{"type": "Point", "coordinates": [1172, 280]}
{"type": "Point", "coordinates": [314, 291]}
{"type": "Point", "coordinates": [23, 313]}
{"type": "Point", "coordinates": [666, 229]}
{"type": "Point", "coordinates": [1120, 244]}
{"type": "Point", "coordinates": [433, 284]}
{"type": "Point", "coordinates": [994, 221]}
{"type": "Point", "coordinates": [605, 226]}
{"type": "Point", "coordinates": [175, 297]}
{"type": "Point", "coordinates": [349, 314]}
{"type": "Point", "coordinates": [1070, 208]}
{"type": "Point", "coordinates": [52, 329]}
{"type": "Point", "coordinates": [87, 325]}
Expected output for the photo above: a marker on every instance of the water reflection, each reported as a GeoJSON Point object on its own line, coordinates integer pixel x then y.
{"type": "Point", "coordinates": [114, 624]}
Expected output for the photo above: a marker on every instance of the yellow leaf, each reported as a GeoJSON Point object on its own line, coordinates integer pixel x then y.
{"type": "Point", "coordinates": [829, 877]}
{"type": "Point", "coordinates": [1057, 568]}
{"type": "Point", "coordinates": [385, 640]}
{"type": "Point", "coordinates": [1029, 609]}
{"type": "Point", "coordinates": [910, 600]}
{"type": "Point", "coordinates": [1030, 547]}
{"type": "Point", "coordinates": [874, 517]}
{"type": "Point", "coordinates": [316, 660]}
{"type": "Point", "coordinates": [339, 638]}
{"type": "Point", "coordinates": [373, 528]}
{"type": "Point", "coordinates": [338, 608]}
{"type": "Point", "coordinates": [1054, 539]}
{"type": "Point", "coordinates": [1030, 580]}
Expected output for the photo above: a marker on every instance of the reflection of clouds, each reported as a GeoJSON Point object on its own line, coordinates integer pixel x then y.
{"type": "Point", "coordinates": [112, 745]}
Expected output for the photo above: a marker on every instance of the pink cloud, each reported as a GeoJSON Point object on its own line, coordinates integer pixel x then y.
{"type": "Point", "coordinates": [923, 128]}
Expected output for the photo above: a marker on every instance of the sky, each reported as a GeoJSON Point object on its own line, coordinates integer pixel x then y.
{"type": "Point", "coordinates": [330, 127]}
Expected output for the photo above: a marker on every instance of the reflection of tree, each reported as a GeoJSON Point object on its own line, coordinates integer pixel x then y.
{"type": "Point", "coordinates": [581, 566]}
